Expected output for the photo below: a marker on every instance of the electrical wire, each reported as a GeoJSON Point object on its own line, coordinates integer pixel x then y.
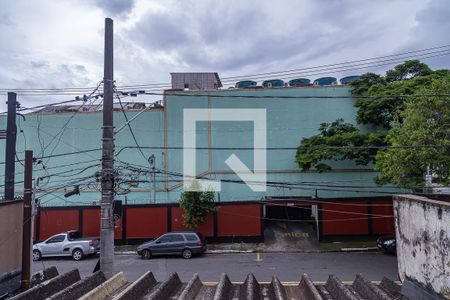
{"type": "Point", "coordinates": [64, 127]}
{"type": "Point", "coordinates": [297, 70]}
{"type": "Point", "coordinates": [129, 127]}
{"type": "Point", "coordinates": [213, 95]}
{"type": "Point", "coordinates": [337, 67]}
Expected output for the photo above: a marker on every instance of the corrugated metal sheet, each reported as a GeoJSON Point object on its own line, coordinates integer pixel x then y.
{"type": "Point", "coordinates": [147, 287]}
{"type": "Point", "coordinates": [196, 81]}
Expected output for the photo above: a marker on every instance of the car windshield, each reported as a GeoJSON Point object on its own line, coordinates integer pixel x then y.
{"type": "Point", "coordinates": [56, 239]}
{"type": "Point", "coordinates": [73, 235]}
{"type": "Point", "coordinates": [164, 238]}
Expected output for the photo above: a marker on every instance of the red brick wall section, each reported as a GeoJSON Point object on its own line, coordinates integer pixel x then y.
{"type": "Point", "coordinates": [239, 220]}
{"type": "Point", "coordinates": [206, 228]}
{"type": "Point", "coordinates": [91, 222]}
{"type": "Point", "coordinates": [345, 219]}
{"type": "Point", "coordinates": [146, 222]}
{"type": "Point", "coordinates": [382, 225]}
{"type": "Point", "coordinates": [57, 221]}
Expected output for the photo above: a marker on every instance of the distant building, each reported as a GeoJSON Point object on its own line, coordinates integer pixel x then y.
{"type": "Point", "coordinates": [292, 113]}
{"type": "Point", "coordinates": [195, 81]}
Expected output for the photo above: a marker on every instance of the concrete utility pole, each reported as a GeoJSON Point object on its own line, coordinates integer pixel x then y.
{"type": "Point", "coordinates": [27, 220]}
{"type": "Point", "coordinates": [106, 214]}
{"type": "Point", "coordinates": [10, 153]}
{"type": "Point", "coordinates": [152, 163]}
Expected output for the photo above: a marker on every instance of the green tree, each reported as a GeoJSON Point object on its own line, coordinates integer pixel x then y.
{"type": "Point", "coordinates": [408, 69]}
{"type": "Point", "coordinates": [379, 105]}
{"type": "Point", "coordinates": [426, 126]}
{"type": "Point", "coordinates": [401, 121]}
{"type": "Point", "coordinates": [196, 205]}
{"type": "Point", "coordinates": [338, 141]}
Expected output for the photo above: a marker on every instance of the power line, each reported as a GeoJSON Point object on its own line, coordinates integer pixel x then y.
{"type": "Point", "coordinates": [129, 127]}
{"type": "Point", "coordinates": [355, 67]}
{"type": "Point", "coordinates": [278, 73]}
{"type": "Point", "coordinates": [300, 186]}
{"type": "Point", "coordinates": [63, 128]}
{"type": "Point", "coordinates": [342, 63]}
{"type": "Point", "coordinates": [282, 148]}
{"type": "Point", "coordinates": [71, 153]}
{"type": "Point", "coordinates": [398, 56]}
{"type": "Point", "coordinates": [213, 94]}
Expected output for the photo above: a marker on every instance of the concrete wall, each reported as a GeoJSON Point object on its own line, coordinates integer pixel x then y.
{"type": "Point", "coordinates": [423, 242]}
{"type": "Point", "coordinates": [289, 120]}
{"type": "Point", "coordinates": [11, 215]}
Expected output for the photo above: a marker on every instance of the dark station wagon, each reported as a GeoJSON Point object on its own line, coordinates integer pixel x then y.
{"type": "Point", "coordinates": [184, 243]}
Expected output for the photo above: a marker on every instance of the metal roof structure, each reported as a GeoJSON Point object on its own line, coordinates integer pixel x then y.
{"type": "Point", "coordinates": [196, 81]}
{"type": "Point", "coordinates": [70, 286]}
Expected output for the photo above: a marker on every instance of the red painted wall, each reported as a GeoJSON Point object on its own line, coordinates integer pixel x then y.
{"type": "Point", "coordinates": [56, 221]}
{"type": "Point", "coordinates": [345, 219]}
{"type": "Point", "coordinates": [206, 228]}
{"type": "Point", "coordinates": [383, 225]}
{"type": "Point", "coordinates": [91, 222]}
{"type": "Point", "coordinates": [118, 228]}
{"type": "Point", "coordinates": [146, 222]}
{"type": "Point", "coordinates": [239, 220]}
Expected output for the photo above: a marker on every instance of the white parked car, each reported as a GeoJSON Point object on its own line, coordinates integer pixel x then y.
{"type": "Point", "coordinates": [68, 243]}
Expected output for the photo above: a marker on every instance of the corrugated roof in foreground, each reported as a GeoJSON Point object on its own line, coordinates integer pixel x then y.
{"type": "Point", "coordinates": [69, 286]}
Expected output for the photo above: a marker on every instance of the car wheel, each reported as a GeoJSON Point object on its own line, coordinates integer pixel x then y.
{"type": "Point", "coordinates": [36, 255]}
{"type": "Point", "coordinates": [187, 253]}
{"type": "Point", "coordinates": [77, 254]}
{"type": "Point", "coordinates": [146, 254]}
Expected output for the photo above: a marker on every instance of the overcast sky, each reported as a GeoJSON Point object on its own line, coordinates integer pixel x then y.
{"type": "Point", "coordinates": [52, 44]}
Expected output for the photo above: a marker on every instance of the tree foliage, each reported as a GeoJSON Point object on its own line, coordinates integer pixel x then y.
{"type": "Point", "coordinates": [408, 69]}
{"type": "Point", "coordinates": [427, 127]}
{"type": "Point", "coordinates": [196, 205]}
{"type": "Point", "coordinates": [381, 106]}
{"type": "Point", "coordinates": [338, 141]}
{"type": "Point", "coordinates": [401, 121]}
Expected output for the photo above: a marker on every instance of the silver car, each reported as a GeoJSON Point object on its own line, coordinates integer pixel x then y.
{"type": "Point", "coordinates": [68, 243]}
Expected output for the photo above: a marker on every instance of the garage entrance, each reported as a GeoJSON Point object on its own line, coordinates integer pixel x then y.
{"type": "Point", "coordinates": [290, 225]}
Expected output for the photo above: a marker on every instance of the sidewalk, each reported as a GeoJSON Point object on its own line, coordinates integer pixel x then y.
{"type": "Point", "coordinates": [225, 248]}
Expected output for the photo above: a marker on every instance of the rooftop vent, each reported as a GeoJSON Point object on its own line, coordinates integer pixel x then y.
{"type": "Point", "coordinates": [274, 83]}
{"type": "Point", "coordinates": [349, 79]}
{"type": "Point", "coordinates": [325, 81]}
{"type": "Point", "coordinates": [245, 84]}
{"type": "Point", "coordinates": [299, 82]}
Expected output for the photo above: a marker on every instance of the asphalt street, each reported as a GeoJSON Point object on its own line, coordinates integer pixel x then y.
{"type": "Point", "coordinates": [287, 266]}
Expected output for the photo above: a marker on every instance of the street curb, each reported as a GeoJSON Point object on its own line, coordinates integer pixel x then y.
{"type": "Point", "coordinates": [359, 249]}
{"type": "Point", "coordinates": [366, 249]}
{"type": "Point", "coordinates": [207, 252]}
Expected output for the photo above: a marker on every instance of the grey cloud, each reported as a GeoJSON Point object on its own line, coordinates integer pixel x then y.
{"type": "Point", "coordinates": [116, 7]}
{"type": "Point", "coordinates": [37, 73]}
{"type": "Point", "coordinates": [236, 35]}
{"type": "Point", "coordinates": [38, 64]}
{"type": "Point", "coordinates": [5, 19]}
{"type": "Point", "coordinates": [160, 31]}
{"type": "Point", "coordinates": [432, 29]}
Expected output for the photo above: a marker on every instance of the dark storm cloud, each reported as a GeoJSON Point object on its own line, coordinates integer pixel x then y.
{"type": "Point", "coordinates": [116, 7]}
{"type": "Point", "coordinates": [235, 35]}
{"type": "Point", "coordinates": [153, 38]}
{"type": "Point", "coordinates": [161, 31]}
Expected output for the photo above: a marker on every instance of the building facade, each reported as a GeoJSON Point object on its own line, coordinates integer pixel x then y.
{"type": "Point", "coordinates": [67, 148]}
